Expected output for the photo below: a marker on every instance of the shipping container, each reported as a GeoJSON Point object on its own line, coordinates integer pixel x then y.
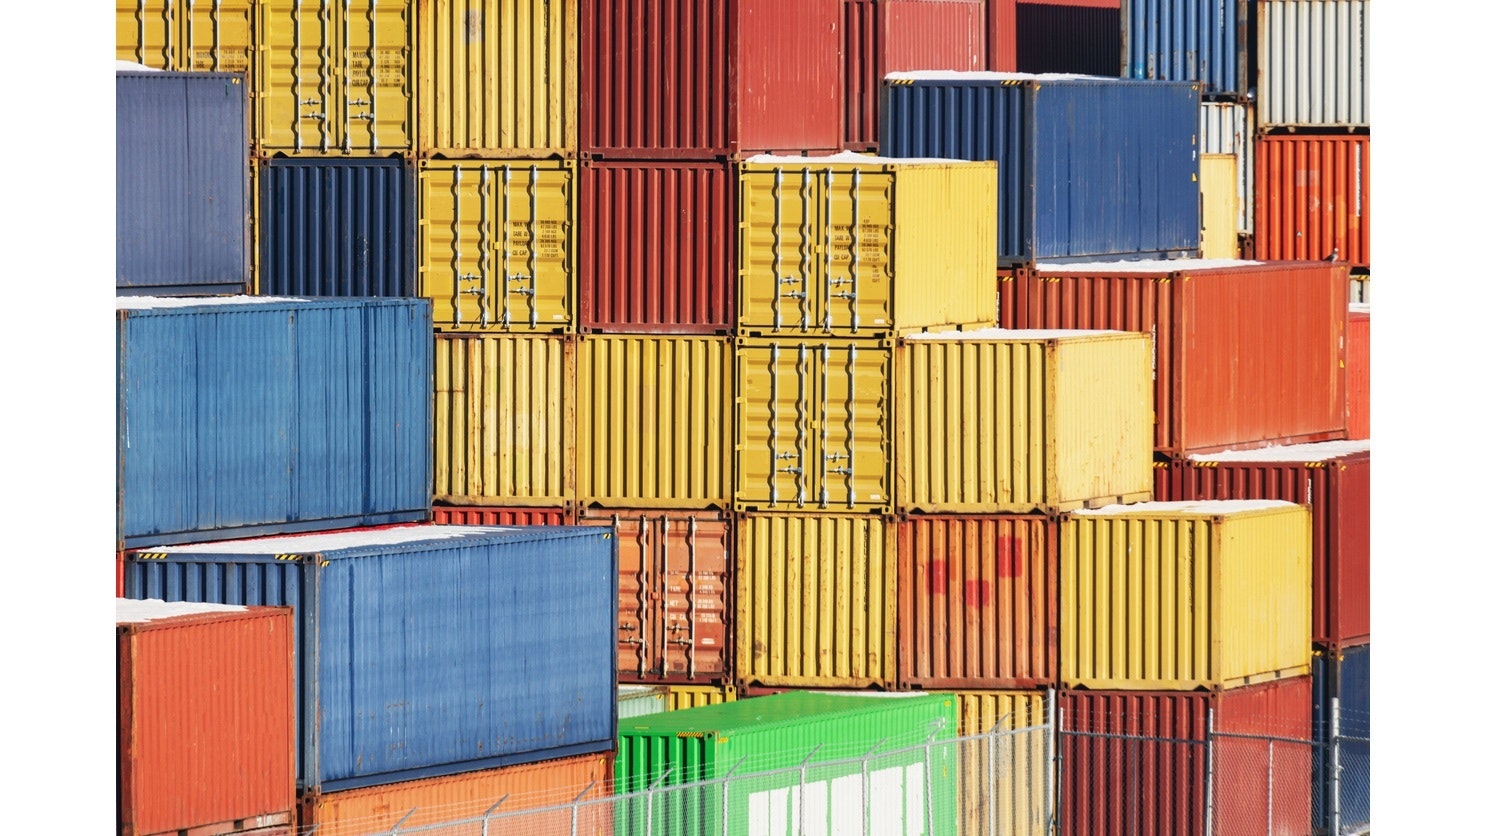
{"type": "Point", "coordinates": [336, 227]}
{"type": "Point", "coordinates": [850, 245]}
{"type": "Point", "coordinates": [910, 787]}
{"type": "Point", "coordinates": [503, 420]}
{"type": "Point", "coordinates": [428, 802]}
{"type": "Point", "coordinates": [1219, 201]}
{"type": "Point", "coordinates": [1082, 38]}
{"type": "Point", "coordinates": [425, 650]}
{"type": "Point", "coordinates": [655, 423]}
{"type": "Point", "coordinates": [333, 77]}
{"type": "Point", "coordinates": [186, 37]}
{"type": "Point", "coordinates": [1359, 370]}
{"type": "Point", "coordinates": [1229, 336]}
{"type": "Point", "coordinates": [1226, 129]}
{"type": "Point", "coordinates": [1004, 781]}
{"type": "Point", "coordinates": [687, 79]}
{"type": "Point", "coordinates": [1312, 197]}
{"type": "Point", "coordinates": [1334, 479]}
{"type": "Point", "coordinates": [482, 515]}
{"type": "Point", "coordinates": [692, 696]}
{"type": "Point", "coordinates": [1136, 762]}
{"type": "Point", "coordinates": [1187, 40]}
{"type": "Point", "coordinates": [206, 717]}
{"type": "Point", "coordinates": [495, 244]}
{"type": "Point", "coordinates": [264, 415]}
{"type": "Point", "coordinates": [816, 601]}
{"type": "Point", "coordinates": [1000, 421]}
{"type": "Point", "coordinates": [1002, 17]}
{"type": "Point", "coordinates": [1346, 677]}
{"type": "Point", "coordinates": [655, 251]}
{"type": "Point", "coordinates": [813, 426]}
{"type": "Point", "coordinates": [497, 78]}
{"type": "Point", "coordinates": [182, 204]}
{"type": "Point", "coordinates": [883, 36]}
{"type": "Point", "coordinates": [639, 700]}
{"type": "Point", "coordinates": [675, 594]}
{"type": "Point", "coordinates": [1185, 595]}
{"type": "Point", "coordinates": [1059, 139]}
{"type": "Point", "coordinates": [1313, 63]}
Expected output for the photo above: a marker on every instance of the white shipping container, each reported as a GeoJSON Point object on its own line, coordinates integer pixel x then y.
{"type": "Point", "coordinates": [1313, 63]}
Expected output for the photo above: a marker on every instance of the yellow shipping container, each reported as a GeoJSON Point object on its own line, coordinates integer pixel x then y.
{"type": "Point", "coordinates": [853, 246]}
{"type": "Point", "coordinates": [477, 221]}
{"type": "Point", "coordinates": [1002, 421]}
{"type": "Point", "coordinates": [691, 696]}
{"type": "Point", "coordinates": [1185, 595]}
{"type": "Point", "coordinates": [1003, 779]}
{"type": "Point", "coordinates": [497, 78]}
{"type": "Point", "coordinates": [186, 37]}
{"type": "Point", "coordinates": [654, 421]}
{"type": "Point", "coordinates": [503, 420]}
{"type": "Point", "coordinates": [812, 425]}
{"type": "Point", "coordinates": [1218, 176]}
{"type": "Point", "coordinates": [334, 77]}
{"type": "Point", "coordinates": [816, 601]}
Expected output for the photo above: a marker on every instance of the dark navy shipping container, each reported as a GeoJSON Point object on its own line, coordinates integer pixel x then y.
{"type": "Point", "coordinates": [1188, 40]}
{"type": "Point", "coordinates": [425, 650]}
{"type": "Point", "coordinates": [337, 227]}
{"type": "Point", "coordinates": [249, 415]}
{"type": "Point", "coordinates": [1346, 675]}
{"type": "Point", "coordinates": [181, 183]}
{"type": "Point", "coordinates": [1089, 167]}
{"type": "Point", "coordinates": [1059, 38]}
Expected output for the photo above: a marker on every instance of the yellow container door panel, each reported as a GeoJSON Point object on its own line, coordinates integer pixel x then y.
{"type": "Point", "coordinates": [851, 444]}
{"type": "Point", "coordinates": [378, 80]}
{"type": "Point", "coordinates": [1218, 175]}
{"type": "Point", "coordinates": [775, 407]}
{"type": "Point", "coordinates": [777, 240]}
{"type": "Point", "coordinates": [854, 290]}
{"type": "Point", "coordinates": [296, 94]}
{"type": "Point", "coordinates": [218, 36]}
{"type": "Point", "coordinates": [146, 33]}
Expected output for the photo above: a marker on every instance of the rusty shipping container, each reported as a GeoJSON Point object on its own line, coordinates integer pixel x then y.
{"type": "Point", "coordinates": [675, 594]}
{"type": "Point", "coordinates": [1184, 595]}
{"type": "Point", "coordinates": [1246, 354]}
{"type": "Point", "coordinates": [1134, 763]}
{"type": "Point", "coordinates": [467, 797]}
{"type": "Point", "coordinates": [483, 515]}
{"type": "Point", "coordinates": [1359, 371]}
{"type": "Point", "coordinates": [186, 37]}
{"type": "Point", "coordinates": [654, 421]}
{"type": "Point", "coordinates": [655, 251]}
{"type": "Point", "coordinates": [1334, 479]}
{"type": "Point", "coordinates": [1311, 198]}
{"type": "Point", "coordinates": [687, 79]}
{"type": "Point", "coordinates": [206, 723]}
{"type": "Point", "coordinates": [977, 601]}
{"type": "Point", "coordinates": [816, 601]}
{"type": "Point", "coordinates": [1000, 421]}
{"type": "Point", "coordinates": [503, 420]}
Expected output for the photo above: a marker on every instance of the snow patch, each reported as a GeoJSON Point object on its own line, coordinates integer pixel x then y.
{"type": "Point", "coordinates": [1148, 265]}
{"type": "Point", "coordinates": [1009, 334]}
{"type": "Point", "coordinates": [1209, 507]}
{"type": "Point", "coordinates": [145, 303]}
{"type": "Point", "coordinates": [130, 611]}
{"type": "Point", "coordinates": [982, 75]}
{"type": "Point", "coordinates": [336, 541]}
{"type": "Point", "coordinates": [1318, 452]}
{"type": "Point", "coordinates": [853, 158]}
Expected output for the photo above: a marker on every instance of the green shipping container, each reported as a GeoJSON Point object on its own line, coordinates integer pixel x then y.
{"type": "Point", "coordinates": [908, 786]}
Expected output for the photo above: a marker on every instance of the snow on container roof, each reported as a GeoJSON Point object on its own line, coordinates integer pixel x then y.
{"type": "Point", "coordinates": [1360, 307]}
{"type": "Point", "coordinates": [1215, 507]}
{"type": "Point", "coordinates": [142, 303]}
{"type": "Point", "coordinates": [982, 75]}
{"type": "Point", "coordinates": [1010, 334]}
{"type": "Point", "coordinates": [854, 158]}
{"type": "Point", "coordinates": [130, 611]}
{"type": "Point", "coordinates": [1317, 452]}
{"type": "Point", "coordinates": [1148, 265]}
{"type": "Point", "coordinates": [336, 541]}
{"type": "Point", "coordinates": [131, 67]}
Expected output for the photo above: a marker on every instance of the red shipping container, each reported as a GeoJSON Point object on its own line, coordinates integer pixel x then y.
{"type": "Point", "coordinates": [679, 79]}
{"type": "Point", "coordinates": [1311, 196]}
{"type": "Point", "coordinates": [482, 515]}
{"type": "Point", "coordinates": [886, 36]}
{"type": "Point", "coordinates": [1335, 480]}
{"type": "Point", "coordinates": [1120, 786]}
{"type": "Point", "coordinates": [655, 252]}
{"type": "Point", "coordinates": [1245, 356]}
{"type": "Point", "coordinates": [977, 601]}
{"type": "Point", "coordinates": [1001, 36]}
{"type": "Point", "coordinates": [206, 717]}
{"type": "Point", "coordinates": [1359, 371]}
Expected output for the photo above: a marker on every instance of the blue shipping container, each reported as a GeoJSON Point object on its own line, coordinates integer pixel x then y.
{"type": "Point", "coordinates": [337, 227]}
{"type": "Point", "coordinates": [1089, 167]}
{"type": "Point", "coordinates": [425, 650]}
{"type": "Point", "coordinates": [257, 415]}
{"type": "Point", "coordinates": [181, 183]}
{"type": "Point", "coordinates": [1347, 676]}
{"type": "Point", "coordinates": [1187, 40]}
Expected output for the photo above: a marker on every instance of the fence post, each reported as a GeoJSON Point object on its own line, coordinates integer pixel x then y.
{"type": "Point", "coordinates": [575, 805]}
{"type": "Point", "coordinates": [650, 799]}
{"type": "Point", "coordinates": [1207, 825]}
{"type": "Point", "coordinates": [401, 820]}
{"type": "Point", "coordinates": [485, 825]}
{"type": "Point", "coordinates": [801, 807]}
{"type": "Point", "coordinates": [1336, 766]}
{"type": "Point", "coordinates": [928, 773]}
{"type": "Point", "coordinates": [1054, 719]}
{"type": "Point", "coordinates": [723, 786]}
{"type": "Point", "coordinates": [1269, 791]}
{"type": "Point", "coordinates": [866, 795]}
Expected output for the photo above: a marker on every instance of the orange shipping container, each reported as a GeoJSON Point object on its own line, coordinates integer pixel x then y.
{"type": "Point", "coordinates": [1359, 371]}
{"type": "Point", "coordinates": [1311, 197]}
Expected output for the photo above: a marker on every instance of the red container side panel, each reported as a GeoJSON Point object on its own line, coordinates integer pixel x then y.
{"type": "Point", "coordinates": [861, 75]}
{"type": "Point", "coordinates": [1263, 786]}
{"type": "Point", "coordinates": [482, 515]}
{"type": "Point", "coordinates": [789, 77]}
{"type": "Point", "coordinates": [1000, 54]}
{"type": "Point", "coordinates": [1359, 374]}
{"type": "Point", "coordinates": [1311, 197]}
{"type": "Point", "coordinates": [655, 251]}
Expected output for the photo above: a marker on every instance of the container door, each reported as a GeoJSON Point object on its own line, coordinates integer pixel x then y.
{"type": "Point", "coordinates": [295, 91]}
{"type": "Point", "coordinates": [146, 32]}
{"type": "Point", "coordinates": [851, 448]}
{"type": "Point", "coordinates": [1219, 205]}
{"type": "Point", "coordinates": [217, 35]}
{"type": "Point", "coordinates": [775, 425]}
{"type": "Point", "coordinates": [690, 571]}
{"type": "Point", "coordinates": [777, 258]}
{"type": "Point", "coordinates": [856, 212]}
{"type": "Point", "coordinates": [376, 114]}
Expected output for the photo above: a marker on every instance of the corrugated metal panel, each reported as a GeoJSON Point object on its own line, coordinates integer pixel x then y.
{"type": "Point", "coordinates": [1178, 596]}
{"type": "Point", "coordinates": [846, 248]}
{"type": "Point", "coordinates": [1016, 801]}
{"type": "Point", "coordinates": [1226, 130]}
{"type": "Point", "coordinates": [235, 746]}
{"type": "Point", "coordinates": [1347, 677]}
{"type": "Point", "coordinates": [1187, 40]}
{"type": "Point", "coordinates": [977, 602]}
{"type": "Point", "coordinates": [1219, 179]}
{"type": "Point", "coordinates": [1312, 197]}
{"type": "Point", "coordinates": [983, 425]}
{"type": "Point", "coordinates": [334, 77]}
{"type": "Point", "coordinates": [1068, 38]}
{"type": "Point", "coordinates": [1001, 35]}
{"type": "Point", "coordinates": [182, 200]}
{"type": "Point", "coordinates": [503, 420]}
{"type": "Point", "coordinates": [477, 261]}
{"type": "Point", "coordinates": [676, 79]}
{"type": "Point", "coordinates": [1312, 63]}
{"type": "Point", "coordinates": [675, 594]}
{"type": "Point", "coordinates": [655, 251]}
{"type": "Point", "coordinates": [1058, 139]}
{"type": "Point", "coordinates": [243, 419]}
{"type": "Point", "coordinates": [431, 801]}
{"type": "Point", "coordinates": [480, 515]}
{"type": "Point", "coordinates": [692, 696]}
{"type": "Point", "coordinates": [816, 601]}
{"type": "Point", "coordinates": [654, 421]}
{"type": "Point", "coordinates": [639, 700]}
{"type": "Point", "coordinates": [504, 655]}
{"type": "Point", "coordinates": [1359, 373]}
{"type": "Point", "coordinates": [861, 73]}
{"type": "Point", "coordinates": [813, 426]}
{"type": "Point", "coordinates": [336, 227]}
{"type": "Point", "coordinates": [498, 78]}
{"type": "Point", "coordinates": [186, 37]}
